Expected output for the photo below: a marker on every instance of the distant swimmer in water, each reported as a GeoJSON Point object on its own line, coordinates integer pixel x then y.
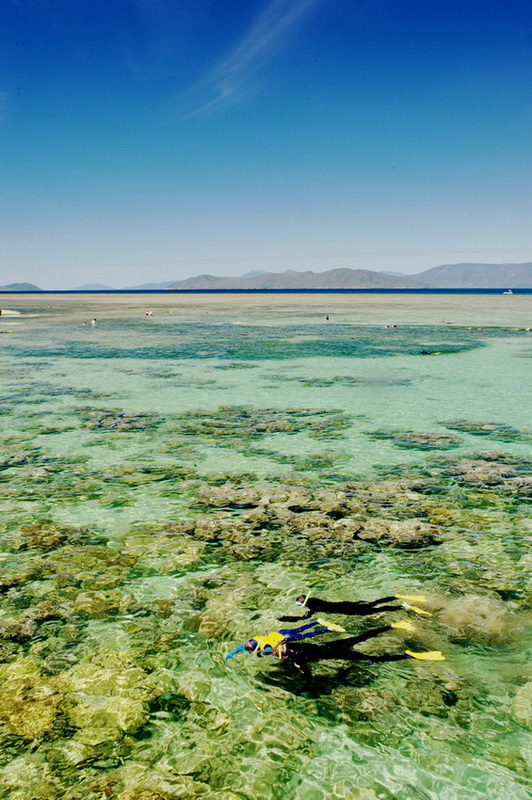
{"type": "Point", "coordinates": [93, 323]}
{"type": "Point", "coordinates": [359, 608]}
{"type": "Point", "coordinates": [327, 317]}
{"type": "Point", "coordinates": [149, 313]}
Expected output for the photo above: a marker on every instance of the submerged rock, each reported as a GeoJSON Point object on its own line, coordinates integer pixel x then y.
{"type": "Point", "coordinates": [417, 440]}
{"type": "Point", "coordinates": [30, 703]}
{"type": "Point", "coordinates": [478, 618]}
{"type": "Point", "coordinates": [522, 705]}
{"type": "Point", "coordinates": [243, 422]}
{"type": "Point", "coordinates": [480, 471]}
{"type": "Point", "coordinates": [100, 603]}
{"type": "Point", "coordinates": [49, 536]}
{"type": "Point", "coordinates": [18, 630]}
{"type": "Point", "coordinates": [365, 702]}
{"type": "Point", "coordinates": [494, 430]}
{"type": "Point", "coordinates": [106, 696]}
{"type": "Point", "coordinates": [411, 533]}
{"type": "Point", "coordinates": [112, 419]}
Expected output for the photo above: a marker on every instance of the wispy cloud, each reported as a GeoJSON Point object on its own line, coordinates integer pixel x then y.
{"type": "Point", "coordinates": [224, 84]}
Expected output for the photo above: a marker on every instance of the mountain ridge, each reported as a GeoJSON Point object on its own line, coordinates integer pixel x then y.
{"type": "Point", "coordinates": [20, 287]}
{"type": "Point", "coordinates": [472, 275]}
{"type": "Point", "coordinates": [330, 279]}
{"type": "Point", "coordinates": [464, 275]}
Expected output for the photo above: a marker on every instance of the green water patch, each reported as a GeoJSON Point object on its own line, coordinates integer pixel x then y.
{"type": "Point", "coordinates": [235, 365]}
{"type": "Point", "coordinates": [243, 343]}
{"type": "Point", "coordinates": [45, 481]}
{"type": "Point", "coordinates": [311, 462]}
{"type": "Point", "coordinates": [344, 381]}
{"type": "Point", "coordinates": [18, 455]}
{"type": "Point", "coordinates": [51, 390]}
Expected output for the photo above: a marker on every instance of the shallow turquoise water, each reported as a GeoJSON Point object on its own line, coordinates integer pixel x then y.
{"type": "Point", "coordinates": [214, 411]}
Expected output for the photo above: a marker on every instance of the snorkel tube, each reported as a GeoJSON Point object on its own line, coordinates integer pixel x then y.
{"type": "Point", "coordinates": [238, 649]}
{"type": "Point", "coordinates": [302, 599]}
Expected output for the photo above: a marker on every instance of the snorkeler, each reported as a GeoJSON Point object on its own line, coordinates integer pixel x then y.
{"type": "Point", "coordinates": [359, 608]}
{"type": "Point", "coordinates": [265, 645]}
{"type": "Point", "coordinates": [302, 654]}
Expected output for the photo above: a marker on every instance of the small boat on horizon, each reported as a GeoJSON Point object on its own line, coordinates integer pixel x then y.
{"type": "Point", "coordinates": [508, 291]}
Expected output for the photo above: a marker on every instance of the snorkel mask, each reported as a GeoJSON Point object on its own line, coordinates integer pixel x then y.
{"type": "Point", "coordinates": [302, 600]}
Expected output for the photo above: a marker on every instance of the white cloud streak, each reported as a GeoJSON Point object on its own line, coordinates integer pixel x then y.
{"type": "Point", "coordinates": [260, 42]}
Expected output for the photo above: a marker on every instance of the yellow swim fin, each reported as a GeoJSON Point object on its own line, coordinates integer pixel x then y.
{"type": "Point", "coordinates": [417, 610]}
{"type": "Point", "coordinates": [430, 655]}
{"type": "Point", "coordinates": [403, 625]}
{"type": "Point", "coordinates": [331, 625]}
{"type": "Point", "coordinates": [414, 598]}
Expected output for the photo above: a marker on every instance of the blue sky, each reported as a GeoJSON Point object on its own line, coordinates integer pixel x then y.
{"type": "Point", "coordinates": [151, 140]}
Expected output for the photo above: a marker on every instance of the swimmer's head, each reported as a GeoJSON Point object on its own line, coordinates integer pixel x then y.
{"type": "Point", "coordinates": [251, 645]}
{"type": "Point", "coordinates": [300, 601]}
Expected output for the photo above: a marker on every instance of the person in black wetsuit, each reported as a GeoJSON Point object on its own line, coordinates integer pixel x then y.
{"type": "Point", "coordinates": [302, 654]}
{"type": "Point", "coordinates": [359, 608]}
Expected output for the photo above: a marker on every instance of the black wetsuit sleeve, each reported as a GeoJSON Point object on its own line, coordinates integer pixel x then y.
{"type": "Point", "coordinates": [349, 607]}
{"type": "Point", "coordinates": [303, 653]}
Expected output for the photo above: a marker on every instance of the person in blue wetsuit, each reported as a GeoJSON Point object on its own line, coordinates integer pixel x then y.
{"type": "Point", "coordinates": [286, 643]}
{"type": "Point", "coordinates": [265, 645]}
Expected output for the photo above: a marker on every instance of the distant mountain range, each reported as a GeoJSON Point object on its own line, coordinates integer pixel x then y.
{"type": "Point", "coordinates": [20, 287]}
{"type": "Point", "coordinates": [478, 276]}
{"type": "Point", "coordinates": [332, 279]}
{"type": "Point", "coordinates": [447, 276]}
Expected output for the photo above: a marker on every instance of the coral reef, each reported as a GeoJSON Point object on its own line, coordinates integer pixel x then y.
{"type": "Point", "coordinates": [240, 422]}
{"type": "Point", "coordinates": [141, 542]}
{"type": "Point", "coordinates": [494, 430]}
{"type": "Point", "coordinates": [417, 440]}
{"type": "Point", "coordinates": [109, 419]}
